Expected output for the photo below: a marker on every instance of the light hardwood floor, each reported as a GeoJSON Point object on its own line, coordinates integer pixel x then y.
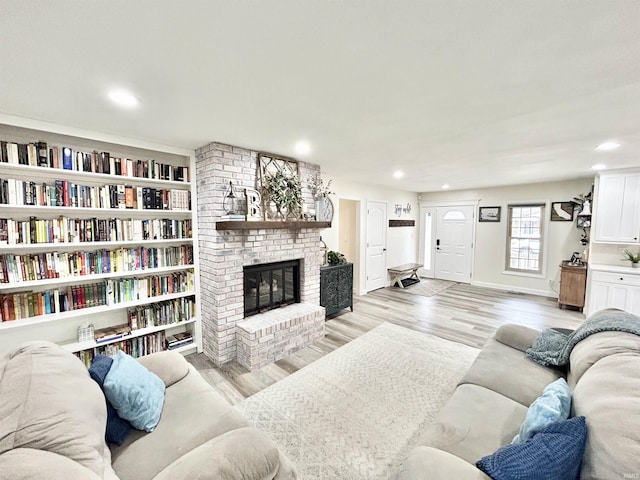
{"type": "Point", "coordinates": [462, 313]}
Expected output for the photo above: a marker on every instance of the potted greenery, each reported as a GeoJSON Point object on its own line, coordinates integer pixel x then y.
{"type": "Point", "coordinates": [285, 192]}
{"type": "Point", "coordinates": [336, 258]}
{"type": "Point", "coordinates": [634, 258]}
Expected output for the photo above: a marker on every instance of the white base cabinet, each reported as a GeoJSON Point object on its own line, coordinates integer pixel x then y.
{"type": "Point", "coordinates": [613, 290]}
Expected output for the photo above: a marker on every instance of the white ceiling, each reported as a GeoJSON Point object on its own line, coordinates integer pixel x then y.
{"type": "Point", "coordinates": [470, 93]}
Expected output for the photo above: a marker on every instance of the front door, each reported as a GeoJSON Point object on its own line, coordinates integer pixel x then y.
{"type": "Point", "coordinates": [454, 241]}
{"type": "Point", "coordinates": [446, 236]}
{"type": "Point", "coordinates": [376, 245]}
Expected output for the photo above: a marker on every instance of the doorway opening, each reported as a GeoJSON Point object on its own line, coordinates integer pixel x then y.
{"type": "Point", "coordinates": [446, 240]}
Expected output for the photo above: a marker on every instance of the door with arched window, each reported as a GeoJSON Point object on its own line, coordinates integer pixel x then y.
{"type": "Point", "coordinates": [447, 240]}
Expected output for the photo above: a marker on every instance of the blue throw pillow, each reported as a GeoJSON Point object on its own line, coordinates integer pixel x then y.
{"type": "Point", "coordinates": [552, 406]}
{"type": "Point", "coordinates": [551, 454]}
{"type": "Point", "coordinates": [117, 428]}
{"type": "Point", "coordinates": [136, 393]}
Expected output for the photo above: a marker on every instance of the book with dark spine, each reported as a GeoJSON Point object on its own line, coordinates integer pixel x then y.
{"type": "Point", "coordinates": [43, 157]}
{"type": "Point", "coordinates": [67, 158]}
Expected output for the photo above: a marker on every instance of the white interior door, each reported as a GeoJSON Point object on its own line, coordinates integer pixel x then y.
{"type": "Point", "coordinates": [454, 243]}
{"type": "Point", "coordinates": [376, 245]}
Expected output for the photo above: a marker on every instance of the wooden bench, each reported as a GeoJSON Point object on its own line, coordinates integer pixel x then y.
{"type": "Point", "coordinates": [400, 273]}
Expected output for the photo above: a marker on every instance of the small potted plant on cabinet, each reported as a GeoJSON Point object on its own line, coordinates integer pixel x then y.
{"type": "Point", "coordinates": [634, 258]}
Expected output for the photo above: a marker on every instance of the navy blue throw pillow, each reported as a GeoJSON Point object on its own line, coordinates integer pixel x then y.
{"type": "Point", "coordinates": [552, 453]}
{"type": "Point", "coordinates": [117, 428]}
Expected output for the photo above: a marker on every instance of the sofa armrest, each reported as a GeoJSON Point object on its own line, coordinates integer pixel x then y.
{"type": "Point", "coordinates": [170, 366]}
{"type": "Point", "coordinates": [33, 464]}
{"type": "Point", "coordinates": [244, 453]}
{"type": "Point", "coordinates": [434, 464]}
{"type": "Point", "coordinates": [516, 336]}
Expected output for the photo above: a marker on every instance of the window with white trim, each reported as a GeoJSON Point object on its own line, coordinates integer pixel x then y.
{"type": "Point", "coordinates": [525, 235]}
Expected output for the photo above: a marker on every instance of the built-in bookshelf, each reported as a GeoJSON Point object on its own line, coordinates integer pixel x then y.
{"type": "Point", "coordinates": [96, 232]}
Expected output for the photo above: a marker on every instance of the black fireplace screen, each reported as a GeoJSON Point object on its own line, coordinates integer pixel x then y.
{"type": "Point", "coordinates": [271, 285]}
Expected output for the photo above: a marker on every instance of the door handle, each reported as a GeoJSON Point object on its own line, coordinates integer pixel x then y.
{"type": "Point", "coordinates": [384, 249]}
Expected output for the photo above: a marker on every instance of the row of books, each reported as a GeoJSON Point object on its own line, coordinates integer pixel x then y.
{"type": "Point", "coordinates": [63, 193]}
{"type": "Point", "coordinates": [42, 155]}
{"type": "Point", "coordinates": [76, 230]}
{"type": "Point", "coordinates": [41, 266]}
{"type": "Point", "coordinates": [28, 304]}
{"type": "Point", "coordinates": [136, 347]}
{"type": "Point", "coordinates": [162, 313]}
{"type": "Point", "coordinates": [131, 289]}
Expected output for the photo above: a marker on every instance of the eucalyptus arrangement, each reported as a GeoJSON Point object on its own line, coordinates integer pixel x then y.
{"type": "Point", "coordinates": [285, 192]}
{"type": "Point", "coordinates": [317, 186]}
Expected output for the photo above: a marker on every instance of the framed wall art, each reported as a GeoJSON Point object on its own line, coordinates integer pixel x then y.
{"type": "Point", "coordinates": [489, 214]}
{"type": "Point", "coordinates": [562, 211]}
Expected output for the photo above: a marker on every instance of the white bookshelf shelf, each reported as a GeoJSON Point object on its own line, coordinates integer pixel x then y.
{"type": "Point", "coordinates": [78, 212]}
{"type": "Point", "coordinates": [86, 312]}
{"type": "Point", "coordinates": [80, 346]}
{"type": "Point", "coordinates": [87, 246]}
{"type": "Point", "coordinates": [75, 279]}
{"type": "Point", "coordinates": [47, 174]}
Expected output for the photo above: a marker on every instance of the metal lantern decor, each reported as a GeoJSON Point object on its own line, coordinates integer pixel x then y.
{"type": "Point", "coordinates": [231, 201]}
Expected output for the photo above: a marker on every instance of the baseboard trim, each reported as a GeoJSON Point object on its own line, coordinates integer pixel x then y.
{"type": "Point", "coordinates": [512, 288]}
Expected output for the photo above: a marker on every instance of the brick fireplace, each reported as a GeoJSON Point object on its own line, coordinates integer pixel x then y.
{"type": "Point", "coordinates": [225, 253]}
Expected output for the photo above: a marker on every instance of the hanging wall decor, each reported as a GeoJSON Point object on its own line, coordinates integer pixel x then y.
{"type": "Point", "coordinates": [280, 188]}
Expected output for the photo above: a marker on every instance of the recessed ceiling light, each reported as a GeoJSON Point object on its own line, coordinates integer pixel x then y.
{"type": "Point", "coordinates": [445, 186]}
{"type": "Point", "coordinates": [608, 146]}
{"type": "Point", "coordinates": [303, 147]}
{"type": "Point", "coordinates": [123, 98]}
{"type": "Point", "coordinates": [398, 174]}
{"type": "Point", "coordinates": [599, 166]}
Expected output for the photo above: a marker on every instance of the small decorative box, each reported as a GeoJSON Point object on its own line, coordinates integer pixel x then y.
{"type": "Point", "coordinates": [85, 333]}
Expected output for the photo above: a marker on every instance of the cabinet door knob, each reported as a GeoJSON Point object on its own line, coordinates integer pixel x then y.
{"type": "Point", "coordinates": [621, 278]}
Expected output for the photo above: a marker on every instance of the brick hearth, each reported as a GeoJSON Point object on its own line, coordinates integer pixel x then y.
{"type": "Point", "coordinates": [223, 253]}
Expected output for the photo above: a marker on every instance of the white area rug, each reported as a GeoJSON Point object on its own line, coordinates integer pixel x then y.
{"type": "Point", "coordinates": [427, 287]}
{"type": "Point", "coordinates": [357, 412]}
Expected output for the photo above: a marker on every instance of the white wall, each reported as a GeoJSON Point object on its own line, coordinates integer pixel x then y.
{"type": "Point", "coordinates": [563, 238]}
{"type": "Point", "coordinates": [401, 241]}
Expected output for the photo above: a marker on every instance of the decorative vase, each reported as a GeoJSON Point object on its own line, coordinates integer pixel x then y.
{"type": "Point", "coordinates": [317, 203]}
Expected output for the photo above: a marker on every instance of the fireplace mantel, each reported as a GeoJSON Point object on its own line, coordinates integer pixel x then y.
{"type": "Point", "coordinates": [289, 224]}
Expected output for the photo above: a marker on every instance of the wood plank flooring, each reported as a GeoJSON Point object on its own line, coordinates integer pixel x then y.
{"type": "Point", "coordinates": [462, 313]}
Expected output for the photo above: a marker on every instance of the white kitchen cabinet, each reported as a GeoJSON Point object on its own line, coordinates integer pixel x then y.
{"type": "Point", "coordinates": [617, 209]}
{"type": "Point", "coordinates": [613, 289]}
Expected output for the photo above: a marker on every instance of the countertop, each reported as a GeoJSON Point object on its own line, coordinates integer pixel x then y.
{"type": "Point", "coordinates": [614, 269]}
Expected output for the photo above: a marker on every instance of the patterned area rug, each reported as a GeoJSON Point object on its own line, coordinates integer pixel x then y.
{"type": "Point", "coordinates": [356, 413]}
{"type": "Point", "coordinates": [427, 287]}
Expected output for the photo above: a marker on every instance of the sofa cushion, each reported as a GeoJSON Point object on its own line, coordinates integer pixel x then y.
{"type": "Point", "coordinates": [193, 412]}
{"type": "Point", "coordinates": [49, 402]}
{"type": "Point", "coordinates": [555, 452]}
{"type": "Point", "coordinates": [516, 336]}
{"type": "Point", "coordinates": [439, 465]}
{"type": "Point", "coordinates": [221, 459]}
{"type": "Point", "coordinates": [607, 395]}
{"type": "Point", "coordinates": [509, 372]}
{"type": "Point", "coordinates": [30, 464]}
{"type": "Point", "coordinates": [136, 393]}
{"type": "Point", "coordinates": [474, 422]}
{"type": "Point", "coordinates": [596, 347]}
{"type": "Point", "coordinates": [170, 366]}
{"type": "Point", "coordinates": [552, 406]}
